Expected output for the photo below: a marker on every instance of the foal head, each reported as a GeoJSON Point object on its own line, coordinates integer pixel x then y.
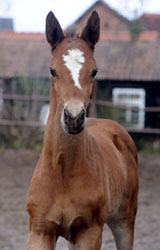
{"type": "Point", "coordinates": [73, 69]}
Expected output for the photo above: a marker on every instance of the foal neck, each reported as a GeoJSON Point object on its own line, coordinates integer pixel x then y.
{"type": "Point", "coordinates": [64, 147]}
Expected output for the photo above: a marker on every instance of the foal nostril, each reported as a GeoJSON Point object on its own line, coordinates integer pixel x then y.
{"type": "Point", "coordinates": [66, 117]}
{"type": "Point", "coordinates": [82, 114]}
{"type": "Point", "coordinates": [81, 117]}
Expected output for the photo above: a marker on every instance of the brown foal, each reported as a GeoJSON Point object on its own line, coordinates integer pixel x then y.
{"type": "Point", "coordinates": [87, 172]}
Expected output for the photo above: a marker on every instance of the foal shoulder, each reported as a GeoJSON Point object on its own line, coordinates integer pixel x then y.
{"type": "Point", "coordinates": [102, 126]}
{"type": "Point", "coordinates": [105, 129]}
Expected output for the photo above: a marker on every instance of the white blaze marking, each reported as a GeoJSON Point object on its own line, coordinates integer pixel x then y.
{"type": "Point", "coordinates": [74, 61]}
{"type": "Point", "coordinates": [74, 107]}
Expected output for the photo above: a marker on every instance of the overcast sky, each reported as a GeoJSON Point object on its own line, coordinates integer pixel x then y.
{"type": "Point", "coordinates": [29, 15]}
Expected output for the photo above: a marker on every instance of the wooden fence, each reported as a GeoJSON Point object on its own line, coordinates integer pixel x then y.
{"type": "Point", "coordinates": [43, 99]}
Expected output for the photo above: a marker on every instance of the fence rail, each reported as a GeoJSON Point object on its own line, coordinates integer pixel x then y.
{"type": "Point", "coordinates": [98, 102]}
{"type": "Point", "coordinates": [5, 122]}
{"type": "Point", "coordinates": [108, 104]}
{"type": "Point", "coordinates": [132, 108]}
{"type": "Point", "coordinates": [25, 98]}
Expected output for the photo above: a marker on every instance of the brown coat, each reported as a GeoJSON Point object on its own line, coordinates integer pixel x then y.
{"type": "Point", "coordinates": [87, 172]}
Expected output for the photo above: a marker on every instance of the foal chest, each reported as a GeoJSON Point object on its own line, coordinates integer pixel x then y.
{"type": "Point", "coordinates": [67, 213]}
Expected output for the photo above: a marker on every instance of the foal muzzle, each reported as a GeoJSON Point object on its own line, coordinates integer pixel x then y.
{"type": "Point", "coordinates": [71, 124]}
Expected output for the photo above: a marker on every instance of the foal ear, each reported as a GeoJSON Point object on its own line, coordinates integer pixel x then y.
{"type": "Point", "coordinates": [91, 31]}
{"type": "Point", "coordinates": [54, 32]}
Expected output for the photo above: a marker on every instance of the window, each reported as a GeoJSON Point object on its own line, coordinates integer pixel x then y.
{"type": "Point", "coordinates": [131, 98]}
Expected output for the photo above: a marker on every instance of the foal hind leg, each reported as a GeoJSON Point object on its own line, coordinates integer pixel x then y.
{"type": "Point", "coordinates": [122, 224]}
{"type": "Point", "coordinates": [123, 235]}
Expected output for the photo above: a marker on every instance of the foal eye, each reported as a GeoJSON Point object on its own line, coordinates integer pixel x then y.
{"type": "Point", "coordinates": [94, 73]}
{"type": "Point", "coordinates": [53, 72]}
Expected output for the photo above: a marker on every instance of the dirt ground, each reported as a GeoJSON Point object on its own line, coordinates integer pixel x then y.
{"type": "Point", "coordinates": [16, 168]}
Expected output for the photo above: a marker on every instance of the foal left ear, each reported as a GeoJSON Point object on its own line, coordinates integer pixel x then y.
{"type": "Point", "coordinates": [54, 32]}
{"type": "Point", "coordinates": [91, 31]}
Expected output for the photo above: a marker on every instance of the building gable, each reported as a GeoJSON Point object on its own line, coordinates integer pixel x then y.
{"type": "Point", "coordinates": [111, 21]}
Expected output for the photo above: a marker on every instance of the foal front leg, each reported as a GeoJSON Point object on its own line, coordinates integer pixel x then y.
{"type": "Point", "coordinates": [89, 239]}
{"type": "Point", "coordinates": [40, 242]}
{"type": "Point", "coordinates": [41, 239]}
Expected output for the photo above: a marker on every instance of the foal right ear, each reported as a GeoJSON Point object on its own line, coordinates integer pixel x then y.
{"type": "Point", "coordinates": [54, 32]}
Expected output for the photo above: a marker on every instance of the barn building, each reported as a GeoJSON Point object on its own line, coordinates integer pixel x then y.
{"type": "Point", "coordinates": [128, 63]}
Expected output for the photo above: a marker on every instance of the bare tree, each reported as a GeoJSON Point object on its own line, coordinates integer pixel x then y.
{"type": "Point", "coordinates": [132, 8]}
{"type": "Point", "coordinates": [4, 6]}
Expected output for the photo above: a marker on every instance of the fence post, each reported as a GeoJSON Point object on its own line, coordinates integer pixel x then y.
{"type": "Point", "coordinates": [7, 112]}
{"type": "Point", "coordinates": [93, 106]}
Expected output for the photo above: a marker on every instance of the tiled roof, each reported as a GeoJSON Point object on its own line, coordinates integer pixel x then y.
{"type": "Point", "coordinates": [14, 35]}
{"type": "Point", "coordinates": [24, 55]}
{"type": "Point", "coordinates": [124, 36]}
{"type": "Point", "coordinates": [128, 60]}
{"type": "Point", "coordinates": [29, 55]}
{"type": "Point", "coordinates": [150, 21]}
